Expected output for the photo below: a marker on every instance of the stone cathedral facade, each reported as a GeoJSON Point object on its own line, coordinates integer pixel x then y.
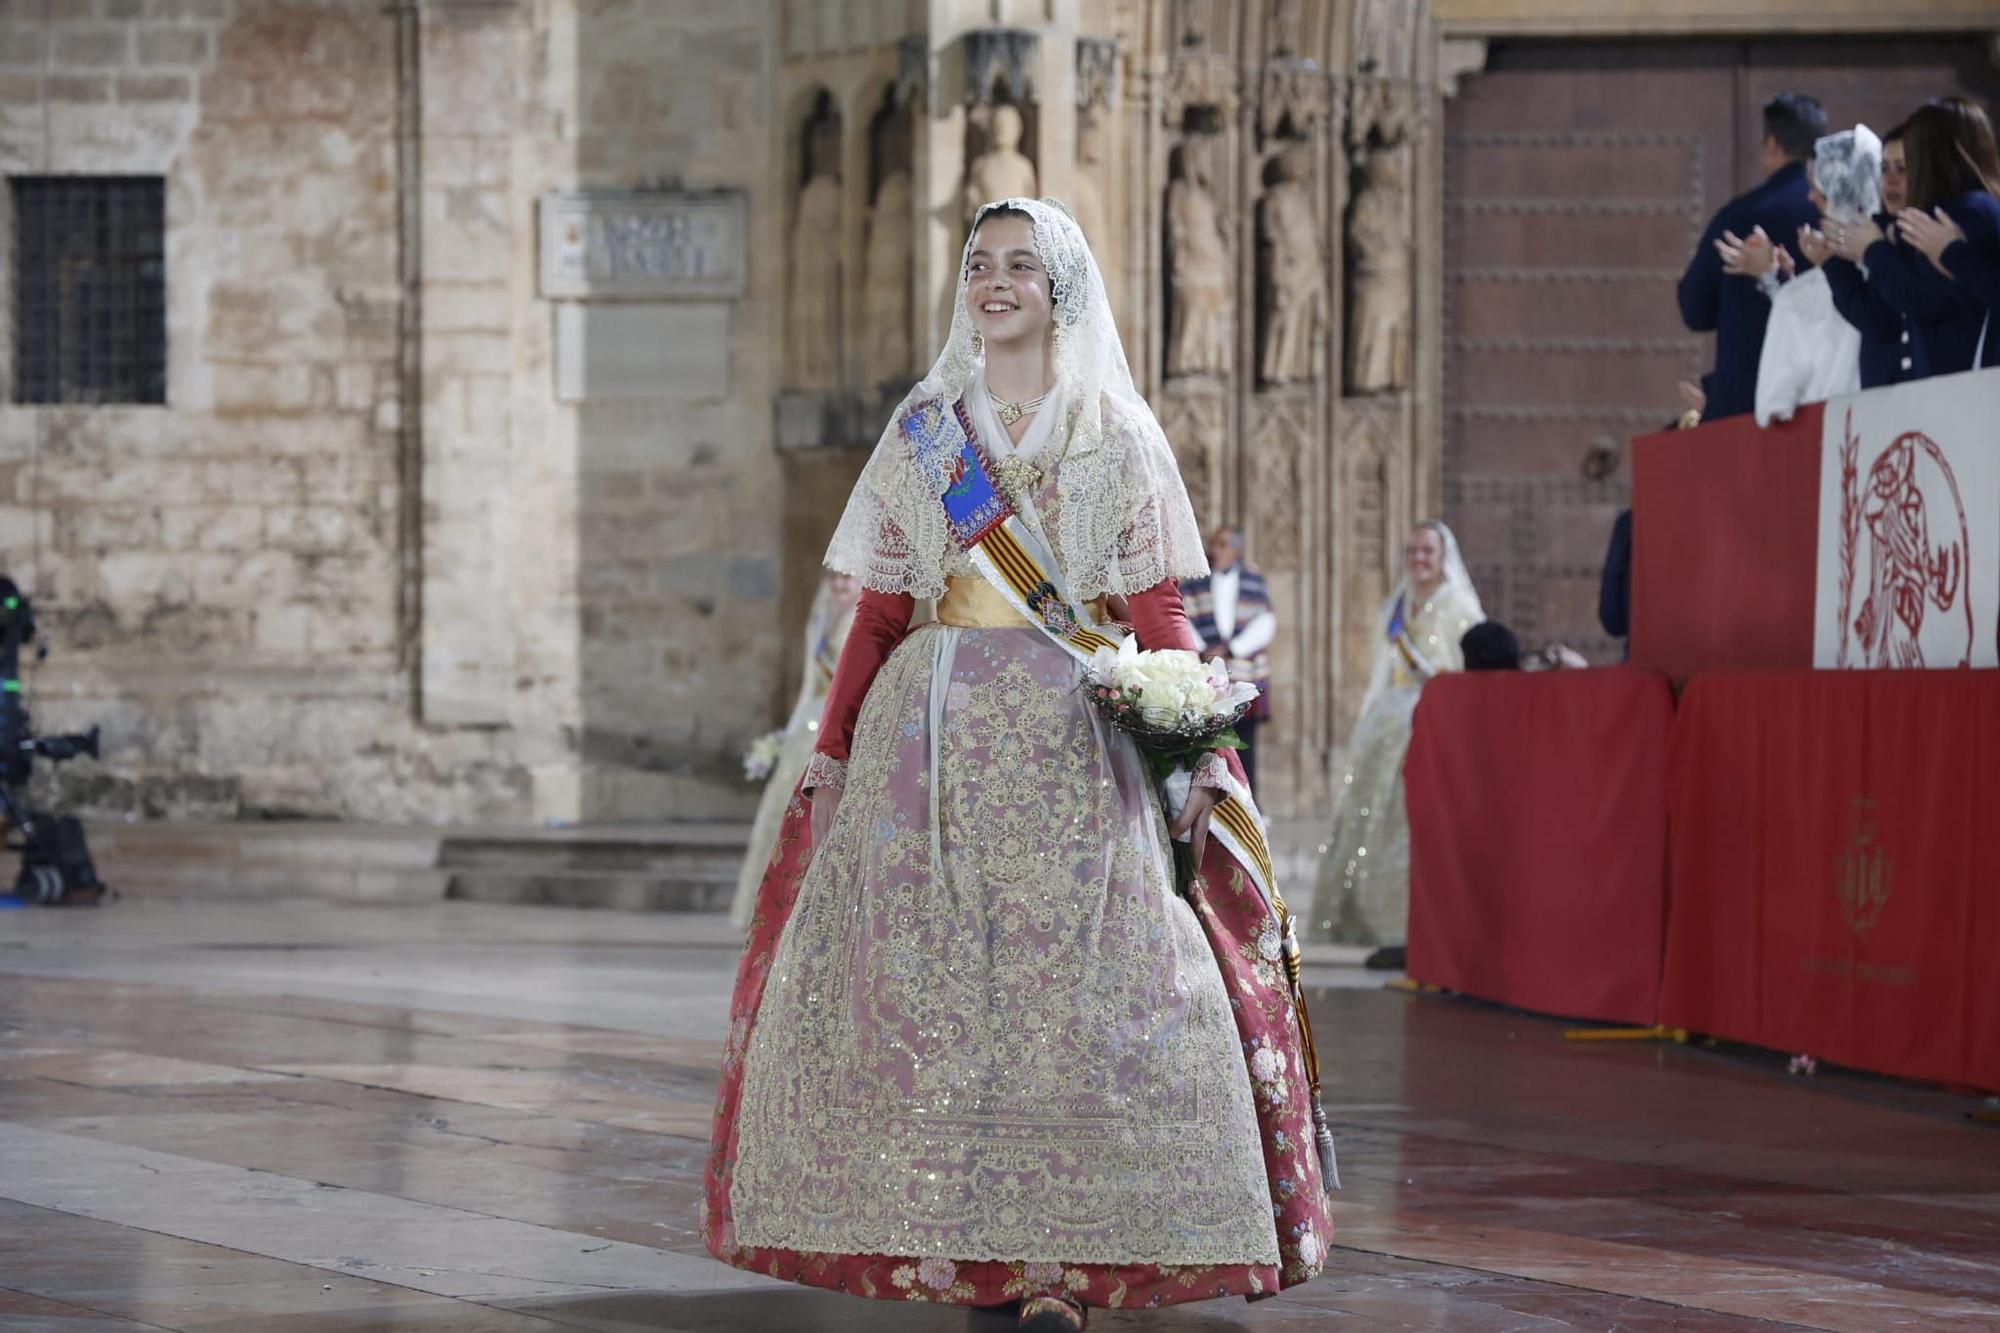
{"type": "Point", "coordinates": [515, 356]}
{"type": "Point", "coordinates": [1245, 174]}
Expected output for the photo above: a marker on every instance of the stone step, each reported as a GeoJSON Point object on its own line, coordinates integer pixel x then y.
{"type": "Point", "coordinates": [681, 868]}
{"type": "Point", "coordinates": [678, 868]}
{"type": "Point", "coordinates": [352, 862]}
{"type": "Point", "coordinates": [555, 887]}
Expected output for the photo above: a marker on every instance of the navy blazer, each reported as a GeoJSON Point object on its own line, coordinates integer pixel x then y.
{"type": "Point", "coordinates": [1946, 316]}
{"type": "Point", "coordinates": [1614, 586]}
{"type": "Point", "coordinates": [1888, 353]}
{"type": "Point", "coordinates": [1732, 306]}
{"type": "Point", "coordinates": [1974, 263]}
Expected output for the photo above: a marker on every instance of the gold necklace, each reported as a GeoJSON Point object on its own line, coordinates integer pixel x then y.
{"type": "Point", "coordinates": [1013, 412]}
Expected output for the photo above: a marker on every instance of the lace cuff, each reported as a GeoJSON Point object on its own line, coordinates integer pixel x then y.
{"type": "Point", "coordinates": [824, 771]}
{"type": "Point", "coordinates": [1212, 770]}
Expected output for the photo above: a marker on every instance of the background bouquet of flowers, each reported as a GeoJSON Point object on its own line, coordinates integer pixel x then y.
{"type": "Point", "coordinates": [1176, 706]}
{"type": "Point", "coordinates": [762, 756]}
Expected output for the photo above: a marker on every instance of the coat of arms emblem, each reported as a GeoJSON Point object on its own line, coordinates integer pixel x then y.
{"type": "Point", "coordinates": [1863, 873]}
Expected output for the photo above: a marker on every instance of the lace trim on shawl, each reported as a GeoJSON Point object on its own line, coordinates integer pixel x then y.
{"type": "Point", "coordinates": [1124, 520]}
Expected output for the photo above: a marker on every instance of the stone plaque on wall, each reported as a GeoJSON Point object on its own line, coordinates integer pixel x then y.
{"type": "Point", "coordinates": [642, 244]}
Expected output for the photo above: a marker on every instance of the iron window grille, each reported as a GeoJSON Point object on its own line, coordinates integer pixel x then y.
{"type": "Point", "coordinates": [90, 308]}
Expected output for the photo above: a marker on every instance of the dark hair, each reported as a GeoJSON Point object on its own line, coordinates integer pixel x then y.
{"type": "Point", "coordinates": [1796, 121]}
{"type": "Point", "coordinates": [1948, 144]}
{"type": "Point", "coordinates": [1490, 646]}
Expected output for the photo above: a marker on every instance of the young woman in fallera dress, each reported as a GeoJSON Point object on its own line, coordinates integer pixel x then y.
{"type": "Point", "coordinates": [1363, 890]}
{"type": "Point", "coordinates": [981, 1050]}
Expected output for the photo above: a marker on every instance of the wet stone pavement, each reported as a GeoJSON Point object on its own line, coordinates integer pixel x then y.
{"type": "Point", "coordinates": [319, 1117]}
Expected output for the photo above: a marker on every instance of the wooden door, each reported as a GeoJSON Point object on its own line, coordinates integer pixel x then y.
{"type": "Point", "coordinates": [1578, 177]}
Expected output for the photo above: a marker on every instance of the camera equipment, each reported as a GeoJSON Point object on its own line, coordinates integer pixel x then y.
{"type": "Point", "coordinates": [55, 862]}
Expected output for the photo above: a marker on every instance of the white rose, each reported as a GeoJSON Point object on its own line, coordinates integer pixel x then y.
{"type": "Point", "coordinates": [1162, 702]}
{"type": "Point", "coordinates": [1170, 664]}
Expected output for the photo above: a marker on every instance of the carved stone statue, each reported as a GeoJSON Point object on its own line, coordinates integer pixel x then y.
{"type": "Point", "coordinates": [1288, 28]}
{"type": "Point", "coordinates": [1003, 171]}
{"type": "Point", "coordinates": [885, 273]}
{"type": "Point", "coordinates": [1378, 239]}
{"type": "Point", "coordinates": [813, 331]}
{"type": "Point", "coordinates": [1197, 22]}
{"type": "Point", "coordinates": [1088, 204]}
{"type": "Point", "coordinates": [1200, 332]}
{"type": "Point", "coordinates": [1294, 275]}
{"type": "Point", "coordinates": [1384, 31]}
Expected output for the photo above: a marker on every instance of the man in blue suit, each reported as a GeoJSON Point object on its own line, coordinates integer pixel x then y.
{"type": "Point", "coordinates": [1732, 306]}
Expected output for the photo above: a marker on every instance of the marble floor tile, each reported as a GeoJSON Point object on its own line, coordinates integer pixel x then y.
{"type": "Point", "coordinates": [307, 1116]}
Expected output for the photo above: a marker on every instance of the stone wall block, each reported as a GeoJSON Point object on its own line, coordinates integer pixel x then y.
{"type": "Point", "coordinates": [24, 44]}
{"type": "Point", "coordinates": [79, 88]}
{"type": "Point", "coordinates": [173, 46]}
{"type": "Point", "coordinates": [92, 47]}
{"type": "Point", "coordinates": [190, 9]}
{"type": "Point", "coordinates": [154, 88]}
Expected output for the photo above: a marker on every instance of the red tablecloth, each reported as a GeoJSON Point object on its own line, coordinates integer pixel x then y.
{"type": "Point", "coordinates": [1725, 531]}
{"type": "Point", "coordinates": [1538, 839]}
{"type": "Point", "coordinates": [1835, 870]}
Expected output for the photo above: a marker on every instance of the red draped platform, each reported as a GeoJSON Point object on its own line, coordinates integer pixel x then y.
{"type": "Point", "coordinates": [1817, 842]}
{"type": "Point", "coordinates": [1538, 839]}
{"type": "Point", "coordinates": [1835, 883]}
{"type": "Point", "coordinates": [1725, 533]}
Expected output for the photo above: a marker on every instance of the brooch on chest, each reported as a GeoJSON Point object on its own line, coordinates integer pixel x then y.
{"type": "Point", "coordinates": [1019, 478]}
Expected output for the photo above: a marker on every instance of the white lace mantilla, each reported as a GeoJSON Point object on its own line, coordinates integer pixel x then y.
{"type": "Point", "coordinates": [1124, 521]}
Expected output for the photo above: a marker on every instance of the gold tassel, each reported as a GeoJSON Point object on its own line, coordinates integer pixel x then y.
{"type": "Point", "coordinates": [1329, 1166]}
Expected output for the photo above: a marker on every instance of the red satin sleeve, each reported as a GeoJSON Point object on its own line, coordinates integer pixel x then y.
{"type": "Point", "coordinates": [1160, 619]}
{"type": "Point", "coordinates": [881, 621]}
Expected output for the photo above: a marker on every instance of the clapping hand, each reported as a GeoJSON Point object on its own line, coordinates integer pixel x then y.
{"type": "Point", "coordinates": [1851, 239]}
{"type": "Point", "coordinates": [1747, 258]}
{"type": "Point", "coordinates": [1932, 234]}
{"type": "Point", "coordinates": [1693, 398]}
{"type": "Point", "coordinates": [1814, 245]}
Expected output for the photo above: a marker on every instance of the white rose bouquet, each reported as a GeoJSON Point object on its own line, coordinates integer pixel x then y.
{"type": "Point", "coordinates": [1175, 705]}
{"type": "Point", "coordinates": [1177, 708]}
{"type": "Point", "coordinates": [762, 756]}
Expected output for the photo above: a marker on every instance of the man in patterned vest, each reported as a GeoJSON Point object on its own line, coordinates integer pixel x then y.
{"type": "Point", "coordinates": [1231, 611]}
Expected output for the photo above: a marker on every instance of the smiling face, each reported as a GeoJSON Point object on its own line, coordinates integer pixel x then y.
{"type": "Point", "coordinates": [1007, 290]}
{"type": "Point", "coordinates": [1423, 557]}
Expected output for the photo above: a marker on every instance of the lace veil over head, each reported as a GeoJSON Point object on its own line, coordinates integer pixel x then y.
{"type": "Point", "coordinates": [1453, 577]}
{"type": "Point", "coordinates": [1124, 521]}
